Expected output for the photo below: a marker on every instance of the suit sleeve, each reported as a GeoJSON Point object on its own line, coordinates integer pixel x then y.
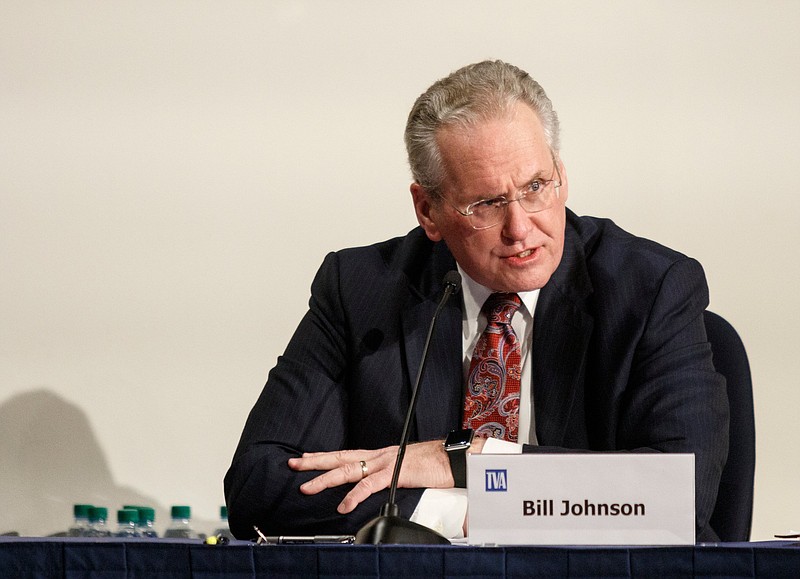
{"type": "Point", "coordinates": [668, 396]}
{"type": "Point", "coordinates": [677, 401]}
{"type": "Point", "coordinates": [302, 408]}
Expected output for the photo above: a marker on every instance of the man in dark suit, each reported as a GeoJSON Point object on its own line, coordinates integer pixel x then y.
{"type": "Point", "coordinates": [614, 355]}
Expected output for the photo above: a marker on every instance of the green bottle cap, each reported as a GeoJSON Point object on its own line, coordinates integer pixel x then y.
{"type": "Point", "coordinates": [146, 515]}
{"type": "Point", "coordinates": [127, 516]}
{"type": "Point", "coordinates": [81, 511]}
{"type": "Point", "coordinates": [98, 513]}
{"type": "Point", "coordinates": [181, 512]}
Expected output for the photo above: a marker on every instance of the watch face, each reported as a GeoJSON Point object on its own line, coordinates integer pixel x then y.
{"type": "Point", "coordinates": [458, 439]}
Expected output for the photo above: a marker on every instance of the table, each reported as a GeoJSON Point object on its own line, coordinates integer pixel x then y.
{"type": "Point", "coordinates": [172, 559]}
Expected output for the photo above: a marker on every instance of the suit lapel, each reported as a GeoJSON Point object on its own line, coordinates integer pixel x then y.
{"type": "Point", "coordinates": [561, 333]}
{"type": "Point", "coordinates": [439, 396]}
{"type": "Point", "coordinates": [440, 393]}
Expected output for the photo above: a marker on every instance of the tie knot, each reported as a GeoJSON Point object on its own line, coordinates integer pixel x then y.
{"type": "Point", "coordinates": [499, 308]}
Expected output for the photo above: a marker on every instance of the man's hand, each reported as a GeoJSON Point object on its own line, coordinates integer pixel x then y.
{"type": "Point", "coordinates": [425, 465]}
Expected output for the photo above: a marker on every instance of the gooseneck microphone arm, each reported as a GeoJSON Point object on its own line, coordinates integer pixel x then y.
{"type": "Point", "coordinates": [389, 527]}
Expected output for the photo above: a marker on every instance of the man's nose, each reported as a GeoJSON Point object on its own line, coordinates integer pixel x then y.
{"type": "Point", "coordinates": [517, 223]}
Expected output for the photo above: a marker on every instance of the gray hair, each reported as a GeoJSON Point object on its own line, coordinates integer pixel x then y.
{"type": "Point", "coordinates": [475, 93]}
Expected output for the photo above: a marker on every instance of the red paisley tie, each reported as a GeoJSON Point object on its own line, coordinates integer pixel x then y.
{"type": "Point", "coordinates": [491, 405]}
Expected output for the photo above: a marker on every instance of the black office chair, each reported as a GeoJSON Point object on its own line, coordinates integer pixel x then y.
{"type": "Point", "coordinates": [733, 513]}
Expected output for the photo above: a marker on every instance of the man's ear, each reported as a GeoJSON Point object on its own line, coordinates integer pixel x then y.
{"type": "Point", "coordinates": [425, 212]}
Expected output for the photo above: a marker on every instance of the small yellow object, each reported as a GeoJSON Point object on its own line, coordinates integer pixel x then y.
{"type": "Point", "coordinates": [212, 540]}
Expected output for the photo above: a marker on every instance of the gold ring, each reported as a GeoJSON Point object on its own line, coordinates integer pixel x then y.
{"type": "Point", "coordinates": [363, 469]}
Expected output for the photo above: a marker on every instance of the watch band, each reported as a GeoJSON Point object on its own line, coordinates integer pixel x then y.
{"type": "Point", "coordinates": [458, 466]}
{"type": "Point", "coordinates": [456, 446]}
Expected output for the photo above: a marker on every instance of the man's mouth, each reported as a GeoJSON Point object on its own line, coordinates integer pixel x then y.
{"type": "Point", "coordinates": [525, 253]}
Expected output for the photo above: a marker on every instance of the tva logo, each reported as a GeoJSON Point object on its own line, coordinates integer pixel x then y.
{"type": "Point", "coordinates": [496, 480]}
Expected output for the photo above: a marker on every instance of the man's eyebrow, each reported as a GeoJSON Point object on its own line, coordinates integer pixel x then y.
{"type": "Point", "coordinates": [538, 175]}
{"type": "Point", "coordinates": [542, 174]}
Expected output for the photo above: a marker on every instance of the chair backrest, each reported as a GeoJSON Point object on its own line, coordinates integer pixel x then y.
{"type": "Point", "coordinates": [733, 512]}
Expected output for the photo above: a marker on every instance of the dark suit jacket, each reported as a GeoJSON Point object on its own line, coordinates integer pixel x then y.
{"type": "Point", "coordinates": [620, 363]}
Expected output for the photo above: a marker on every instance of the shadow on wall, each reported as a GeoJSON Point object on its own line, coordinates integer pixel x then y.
{"type": "Point", "coordinates": [49, 460]}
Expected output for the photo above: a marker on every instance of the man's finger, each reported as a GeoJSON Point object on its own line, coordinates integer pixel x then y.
{"type": "Point", "coordinates": [325, 460]}
{"type": "Point", "coordinates": [363, 490]}
{"type": "Point", "coordinates": [350, 472]}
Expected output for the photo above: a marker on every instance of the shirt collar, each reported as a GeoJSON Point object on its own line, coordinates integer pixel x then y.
{"type": "Point", "coordinates": [475, 295]}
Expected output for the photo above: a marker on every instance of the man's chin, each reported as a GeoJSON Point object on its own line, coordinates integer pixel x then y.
{"type": "Point", "coordinates": [522, 285]}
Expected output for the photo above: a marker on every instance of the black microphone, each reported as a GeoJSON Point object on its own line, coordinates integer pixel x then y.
{"type": "Point", "coordinates": [389, 527]}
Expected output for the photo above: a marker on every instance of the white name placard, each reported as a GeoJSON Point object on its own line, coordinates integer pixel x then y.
{"type": "Point", "coordinates": [581, 499]}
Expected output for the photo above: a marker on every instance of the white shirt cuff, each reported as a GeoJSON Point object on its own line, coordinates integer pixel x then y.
{"type": "Point", "coordinates": [497, 446]}
{"type": "Point", "coordinates": [443, 510]}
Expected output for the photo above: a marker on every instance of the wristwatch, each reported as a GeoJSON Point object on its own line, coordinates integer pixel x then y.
{"type": "Point", "coordinates": [456, 445]}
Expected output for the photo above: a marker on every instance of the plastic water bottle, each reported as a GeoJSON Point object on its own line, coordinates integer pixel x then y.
{"type": "Point", "coordinates": [127, 519]}
{"type": "Point", "coordinates": [97, 522]}
{"type": "Point", "coordinates": [223, 530]}
{"type": "Point", "coordinates": [80, 528]}
{"type": "Point", "coordinates": [147, 519]}
{"type": "Point", "coordinates": [145, 525]}
{"type": "Point", "coordinates": [181, 525]}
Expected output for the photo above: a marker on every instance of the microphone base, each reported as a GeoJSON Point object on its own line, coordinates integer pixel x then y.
{"type": "Point", "coordinates": [392, 530]}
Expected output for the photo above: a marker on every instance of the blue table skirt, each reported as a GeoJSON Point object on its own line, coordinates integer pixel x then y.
{"type": "Point", "coordinates": [174, 559]}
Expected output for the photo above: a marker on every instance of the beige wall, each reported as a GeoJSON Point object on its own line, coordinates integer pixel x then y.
{"type": "Point", "coordinates": [172, 173]}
